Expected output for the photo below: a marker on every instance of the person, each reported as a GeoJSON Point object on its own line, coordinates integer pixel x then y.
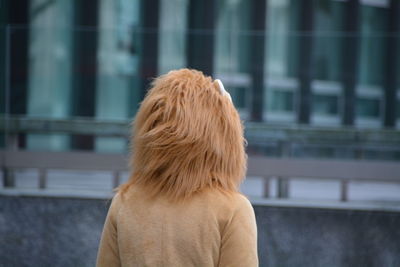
{"type": "Point", "coordinates": [181, 205]}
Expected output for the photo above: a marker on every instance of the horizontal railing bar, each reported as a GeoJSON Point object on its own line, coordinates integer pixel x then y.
{"type": "Point", "coordinates": [64, 160]}
{"type": "Point", "coordinates": [354, 170]}
{"type": "Point", "coordinates": [358, 179]}
{"type": "Point", "coordinates": [66, 126]}
{"type": "Point", "coordinates": [255, 132]}
{"type": "Point", "coordinates": [344, 190]}
{"type": "Point", "coordinates": [327, 169]}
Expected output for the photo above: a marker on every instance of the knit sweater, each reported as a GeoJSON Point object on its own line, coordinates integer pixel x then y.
{"type": "Point", "coordinates": [209, 229]}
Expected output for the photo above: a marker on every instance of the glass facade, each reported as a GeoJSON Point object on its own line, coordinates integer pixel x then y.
{"type": "Point", "coordinates": [327, 65]}
{"type": "Point", "coordinates": [232, 50]}
{"type": "Point", "coordinates": [50, 67]}
{"type": "Point", "coordinates": [371, 83]}
{"type": "Point", "coordinates": [281, 60]}
{"type": "Point", "coordinates": [117, 66]}
{"type": "Point", "coordinates": [94, 59]}
{"type": "Point", "coordinates": [172, 45]}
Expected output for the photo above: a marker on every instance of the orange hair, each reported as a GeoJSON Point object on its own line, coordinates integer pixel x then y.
{"type": "Point", "coordinates": [186, 137]}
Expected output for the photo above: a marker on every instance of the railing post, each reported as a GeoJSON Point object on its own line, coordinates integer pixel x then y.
{"type": "Point", "coordinates": [8, 177]}
{"type": "Point", "coordinates": [283, 187]}
{"type": "Point", "coordinates": [266, 185]}
{"type": "Point", "coordinates": [116, 179]}
{"type": "Point", "coordinates": [42, 178]}
{"type": "Point", "coordinates": [285, 148]}
{"type": "Point", "coordinates": [344, 190]}
{"type": "Point", "coordinates": [11, 145]}
{"type": "Point", "coordinates": [12, 141]}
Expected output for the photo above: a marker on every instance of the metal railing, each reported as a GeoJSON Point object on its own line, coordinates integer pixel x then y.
{"type": "Point", "coordinates": [263, 138]}
{"type": "Point", "coordinates": [284, 169]}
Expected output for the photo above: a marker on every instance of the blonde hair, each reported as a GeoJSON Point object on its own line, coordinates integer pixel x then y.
{"type": "Point", "coordinates": [186, 137]}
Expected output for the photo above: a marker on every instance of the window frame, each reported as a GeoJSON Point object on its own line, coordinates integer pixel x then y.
{"type": "Point", "coordinates": [285, 84]}
{"type": "Point", "coordinates": [327, 88]}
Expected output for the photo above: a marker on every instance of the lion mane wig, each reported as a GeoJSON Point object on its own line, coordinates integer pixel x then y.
{"type": "Point", "coordinates": [187, 136]}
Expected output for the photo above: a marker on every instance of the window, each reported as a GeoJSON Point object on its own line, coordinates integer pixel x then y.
{"type": "Point", "coordinates": [328, 40]}
{"type": "Point", "coordinates": [280, 100]}
{"type": "Point", "coordinates": [50, 64]}
{"type": "Point", "coordinates": [327, 60]}
{"type": "Point", "coordinates": [281, 60]}
{"type": "Point", "coordinates": [117, 78]}
{"type": "Point", "coordinates": [373, 43]}
{"type": "Point", "coordinates": [368, 107]}
{"type": "Point", "coordinates": [172, 36]}
{"type": "Point", "coordinates": [325, 104]}
{"type": "Point", "coordinates": [238, 86]}
{"type": "Point", "coordinates": [371, 70]}
{"type": "Point", "coordinates": [398, 87]}
{"type": "Point", "coordinates": [281, 45]}
{"type": "Point", "coordinates": [398, 108]}
{"type": "Point", "coordinates": [232, 43]}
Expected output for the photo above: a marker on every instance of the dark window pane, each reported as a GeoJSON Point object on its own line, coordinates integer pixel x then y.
{"type": "Point", "coordinates": [398, 109]}
{"type": "Point", "coordinates": [281, 44]}
{"type": "Point", "coordinates": [368, 107]}
{"type": "Point", "coordinates": [373, 43]}
{"type": "Point", "coordinates": [281, 101]}
{"type": "Point", "coordinates": [329, 16]}
{"type": "Point", "coordinates": [325, 104]}
{"type": "Point", "coordinates": [238, 95]}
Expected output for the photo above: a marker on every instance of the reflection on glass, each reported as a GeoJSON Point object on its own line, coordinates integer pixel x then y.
{"type": "Point", "coordinates": [325, 104]}
{"type": "Point", "coordinates": [117, 55]}
{"type": "Point", "coordinates": [371, 71]}
{"type": "Point", "coordinates": [398, 108]}
{"type": "Point", "coordinates": [172, 38]}
{"type": "Point", "coordinates": [55, 69]}
{"type": "Point", "coordinates": [368, 107]}
{"type": "Point", "coordinates": [373, 43]}
{"type": "Point", "coordinates": [281, 101]}
{"type": "Point", "coordinates": [232, 40]}
{"type": "Point", "coordinates": [232, 55]}
{"type": "Point", "coordinates": [281, 59]}
{"type": "Point", "coordinates": [281, 44]}
{"type": "Point", "coordinates": [50, 68]}
{"type": "Point", "coordinates": [239, 96]}
{"type": "Point", "coordinates": [329, 16]}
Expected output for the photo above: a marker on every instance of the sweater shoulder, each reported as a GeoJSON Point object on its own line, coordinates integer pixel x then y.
{"type": "Point", "coordinates": [227, 205]}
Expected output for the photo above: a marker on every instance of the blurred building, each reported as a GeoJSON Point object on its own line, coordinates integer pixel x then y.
{"type": "Point", "coordinates": [331, 63]}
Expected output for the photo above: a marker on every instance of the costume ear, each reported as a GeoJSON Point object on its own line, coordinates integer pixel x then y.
{"type": "Point", "coordinates": [222, 89]}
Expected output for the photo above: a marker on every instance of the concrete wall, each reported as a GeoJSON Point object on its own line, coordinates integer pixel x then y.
{"type": "Point", "coordinates": [45, 231]}
{"type": "Point", "coordinates": [327, 237]}
{"type": "Point", "coordinates": [38, 231]}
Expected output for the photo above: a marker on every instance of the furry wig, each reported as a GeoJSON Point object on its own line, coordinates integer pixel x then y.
{"type": "Point", "coordinates": [187, 136]}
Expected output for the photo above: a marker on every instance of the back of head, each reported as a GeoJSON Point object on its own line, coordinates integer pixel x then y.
{"type": "Point", "coordinates": [187, 136]}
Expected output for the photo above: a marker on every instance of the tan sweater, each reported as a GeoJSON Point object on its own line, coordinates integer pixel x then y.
{"type": "Point", "coordinates": [210, 229]}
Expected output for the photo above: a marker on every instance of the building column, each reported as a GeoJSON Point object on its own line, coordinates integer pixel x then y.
{"type": "Point", "coordinates": [18, 55]}
{"type": "Point", "coordinates": [4, 71]}
{"type": "Point", "coordinates": [4, 5]}
{"type": "Point", "coordinates": [49, 63]}
{"type": "Point", "coordinates": [257, 53]}
{"type": "Point", "coordinates": [148, 68]}
{"type": "Point", "coordinates": [350, 60]}
{"type": "Point", "coordinates": [305, 60]}
{"type": "Point", "coordinates": [14, 60]}
{"type": "Point", "coordinates": [84, 67]}
{"type": "Point", "coordinates": [392, 65]}
{"type": "Point", "coordinates": [200, 42]}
